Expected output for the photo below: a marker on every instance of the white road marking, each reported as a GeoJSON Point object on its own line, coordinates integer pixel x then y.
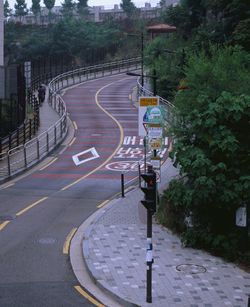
{"type": "Point", "coordinates": [78, 157]}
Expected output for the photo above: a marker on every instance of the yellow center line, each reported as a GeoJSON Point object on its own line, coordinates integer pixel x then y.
{"type": "Point", "coordinates": [73, 140]}
{"type": "Point", "coordinates": [48, 164]}
{"type": "Point", "coordinates": [112, 155]}
{"type": "Point", "coordinates": [2, 225]}
{"type": "Point", "coordinates": [31, 206]}
{"type": "Point", "coordinates": [88, 297]}
{"type": "Point", "coordinates": [75, 125]}
{"type": "Point", "coordinates": [68, 240]}
{"type": "Point", "coordinates": [103, 203]}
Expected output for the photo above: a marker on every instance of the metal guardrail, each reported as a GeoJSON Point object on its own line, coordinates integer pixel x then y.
{"type": "Point", "coordinates": [22, 157]}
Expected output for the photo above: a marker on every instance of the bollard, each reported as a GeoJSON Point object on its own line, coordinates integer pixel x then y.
{"type": "Point", "coordinates": [122, 184]}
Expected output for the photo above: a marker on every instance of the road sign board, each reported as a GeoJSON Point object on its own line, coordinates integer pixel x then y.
{"type": "Point", "coordinates": [155, 143]}
{"type": "Point", "coordinates": [153, 115]}
{"type": "Point", "coordinates": [144, 103]}
{"type": "Point", "coordinates": [154, 131]}
{"type": "Point", "coordinates": [148, 101]}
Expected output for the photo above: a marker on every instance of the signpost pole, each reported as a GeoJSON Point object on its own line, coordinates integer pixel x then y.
{"type": "Point", "coordinates": [149, 261]}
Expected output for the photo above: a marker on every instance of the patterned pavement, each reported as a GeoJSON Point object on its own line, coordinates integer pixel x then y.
{"type": "Point", "coordinates": [114, 249]}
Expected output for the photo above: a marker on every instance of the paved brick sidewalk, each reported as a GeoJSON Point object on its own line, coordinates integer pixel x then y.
{"type": "Point", "coordinates": [114, 248]}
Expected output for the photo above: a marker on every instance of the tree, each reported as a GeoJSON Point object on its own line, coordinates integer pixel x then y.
{"type": "Point", "coordinates": [68, 8]}
{"type": "Point", "coordinates": [36, 8]}
{"type": "Point", "coordinates": [82, 7]}
{"type": "Point", "coordinates": [7, 9]}
{"type": "Point", "coordinates": [212, 148]}
{"type": "Point", "coordinates": [49, 5]}
{"type": "Point", "coordinates": [241, 34]}
{"type": "Point", "coordinates": [128, 7]}
{"type": "Point", "coordinates": [20, 8]}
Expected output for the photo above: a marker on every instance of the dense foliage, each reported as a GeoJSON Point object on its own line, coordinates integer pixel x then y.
{"type": "Point", "coordinates": [207, 78]}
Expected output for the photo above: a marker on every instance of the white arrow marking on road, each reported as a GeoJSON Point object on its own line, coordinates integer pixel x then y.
{"type": "Point", "coordinates": [78, 157]}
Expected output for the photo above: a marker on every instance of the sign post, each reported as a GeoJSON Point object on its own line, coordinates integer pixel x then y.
{"type": "Point", "coordinates": [149, 203]}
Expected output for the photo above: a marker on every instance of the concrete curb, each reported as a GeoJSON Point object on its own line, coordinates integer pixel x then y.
{"type": "Point", "coordinates": [80, 267]}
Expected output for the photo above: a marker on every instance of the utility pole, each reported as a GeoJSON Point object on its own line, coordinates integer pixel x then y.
{"type": "Point", "coordinates": [142, 58]}
{"type": "Point", "coordinates": [2, 81]}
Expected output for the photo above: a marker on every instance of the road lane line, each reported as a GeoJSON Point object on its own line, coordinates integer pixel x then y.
{"type": "Point", "coordinates": [41, 169]}
{"type": "Point", "coordinates": [4, 224]}
{"type": "Point", "coordinates": [68, 240]}
{"type": "Point", "coordinates": [73, 140]}
{"type": "Point", "coordinates": [119, 145]}
{"type": "Point", "coordinates": [88, 297]}
{"type": "Point", "coordinates": [75, 125]}
{"type": "Point", "coordinates": [31, 206]}
{"type": "Point", "coordinates": [103, 203]}
{"type": "Point", "coordinates": [7, 186]}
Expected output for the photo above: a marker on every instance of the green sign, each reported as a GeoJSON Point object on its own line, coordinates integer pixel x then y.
{"type": "Point", "coordinates": [153, 115]}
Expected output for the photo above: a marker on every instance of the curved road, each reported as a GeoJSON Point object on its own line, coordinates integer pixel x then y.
{"type": "Point", "coordinates": [39, 211]}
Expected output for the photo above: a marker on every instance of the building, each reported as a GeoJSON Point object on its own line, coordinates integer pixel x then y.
{"type": "Point", "coordinates": [95, 14]}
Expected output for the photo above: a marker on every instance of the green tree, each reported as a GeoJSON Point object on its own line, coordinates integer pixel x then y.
{"type": "Point", "coordinates": [36, 8]}
{"type": "Point", "coordinates": [7, 9]}
{"type": "Point", "coordinates": [20, 8]}
{"type": "Point", "coordinates": [212, 147]}
{"type": "Point", "coordinates": [82, 7]}
{"type": "Point", "coordinates": [49, 5]}
{"type": "Point", "coordinates": [68, 8]}
{"type": "Point", "coordinates": [128, 7]}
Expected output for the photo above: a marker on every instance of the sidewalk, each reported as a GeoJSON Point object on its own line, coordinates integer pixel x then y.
{"type": "Point", "coordinates": [48, 118]}
{"type": "Point", "coordinates": [113, 247]}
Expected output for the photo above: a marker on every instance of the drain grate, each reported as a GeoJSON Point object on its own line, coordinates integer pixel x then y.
{"type": "Point", "coordinates": [191, 268]}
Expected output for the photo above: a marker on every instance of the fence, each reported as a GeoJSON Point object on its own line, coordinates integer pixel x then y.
{"type": "Point", "coordinates": [24, 131]}
{"type": "Point", "coordinates": [25, 155]}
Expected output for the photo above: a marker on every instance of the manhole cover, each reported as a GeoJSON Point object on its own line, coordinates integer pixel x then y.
{"type": "Point", "coordinates": [47, 241]}
{"type": "Point", "coordinates": [191, 268]}
{"type": "Point", "coordinates": [6, 218]}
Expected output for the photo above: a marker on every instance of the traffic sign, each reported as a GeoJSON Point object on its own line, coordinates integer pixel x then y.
{"type": "Point", "coordinates": [155, 143]}
{"type": "Point", "coordinates": [154, 131]}
{"type": "Point", "coordinates": [148, 101]}
{"type": "Point", "coordinates": [153, 115]}
{"type": "Point", "coordinates": [144, 103]}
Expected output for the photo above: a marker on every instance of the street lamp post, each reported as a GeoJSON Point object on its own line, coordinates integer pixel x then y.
{"type": "Point", "coordinates": [142, 59]}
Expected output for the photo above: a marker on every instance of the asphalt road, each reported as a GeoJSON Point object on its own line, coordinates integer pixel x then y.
{"type": "Point", "coordinates": [40, 211]}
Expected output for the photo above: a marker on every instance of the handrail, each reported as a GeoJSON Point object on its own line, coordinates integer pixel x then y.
{"type": "Point", "coordinates": [22, 157]}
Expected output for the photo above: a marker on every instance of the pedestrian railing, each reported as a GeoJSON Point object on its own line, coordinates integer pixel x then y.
{"type": "Point", "coordinates": [23, 156]}
{"type": "Point", "coordinates": [23, 132]}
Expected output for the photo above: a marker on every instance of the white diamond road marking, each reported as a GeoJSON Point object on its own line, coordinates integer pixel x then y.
{"type": "Point", "coordinates": [76, 158]}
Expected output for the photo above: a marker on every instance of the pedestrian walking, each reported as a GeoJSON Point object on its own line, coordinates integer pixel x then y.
{"type": "Point", "coordinates": [41, 94]}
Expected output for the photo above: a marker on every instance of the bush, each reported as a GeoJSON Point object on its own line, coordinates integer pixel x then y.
{"type": "Point", "coordinates": [212, 150]}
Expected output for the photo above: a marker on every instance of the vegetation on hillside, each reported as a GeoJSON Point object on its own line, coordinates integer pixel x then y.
{"type": "Point", "coordinates": [211, 59]}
